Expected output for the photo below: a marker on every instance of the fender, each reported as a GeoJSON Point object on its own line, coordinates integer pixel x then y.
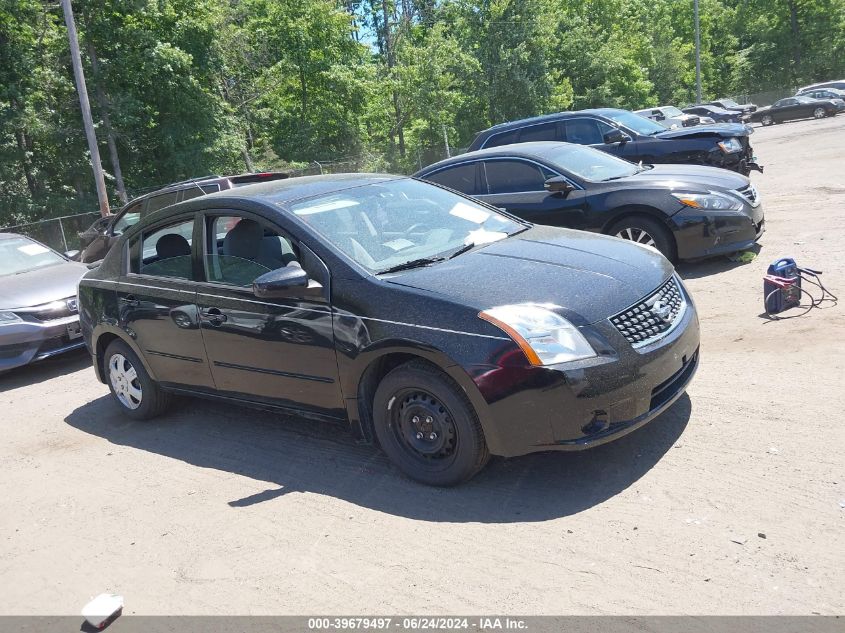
{"type": "Point", "coordinates": [106, 328]}
{"type": "Point", "coordinates": [359, 367]}
{"type": "Point", "coordinates": [635, 209]}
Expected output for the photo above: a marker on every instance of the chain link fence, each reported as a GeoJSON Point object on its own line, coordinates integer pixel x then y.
{"type": "Point", "coordinates": [61, 234]}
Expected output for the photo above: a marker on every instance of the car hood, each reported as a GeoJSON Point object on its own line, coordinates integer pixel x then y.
{"type": "Point", "coordinates": [39, 286]}
{"type": "Point", "coordinates": [722, 130]}
{"type": "Point", "coordinates": [677, 176]}
{"type": "Point", "coordinates": [591, 276]}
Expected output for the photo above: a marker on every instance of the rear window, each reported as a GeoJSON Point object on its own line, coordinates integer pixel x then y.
{"type": "Point", "coordinates": [460, 178]}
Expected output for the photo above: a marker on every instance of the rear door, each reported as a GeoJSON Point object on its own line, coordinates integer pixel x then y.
{"type": "Point", "coordinates": [278, 351]}
{"type": "Point", "coordinates": [157, 302]}
{"type": "Point", "coordinates": [517, 186]}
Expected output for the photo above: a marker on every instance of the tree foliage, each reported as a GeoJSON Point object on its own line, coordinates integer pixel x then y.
{"type": "Point", "coordinates": [185, 88]}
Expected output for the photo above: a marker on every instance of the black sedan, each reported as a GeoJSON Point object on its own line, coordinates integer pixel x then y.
{"type": "Point", "coordinates": [795, 108]}
{"type": "Point", "coordinates": [685, 211]}
{"type": "Point", "coordinates": [730, 104]}
{"type": "Point", "coordinates": [432, 323]}
{"type": "Point", "coordinates": [718, 114]}
{"type": "Point", "coordinates": [632, 137]}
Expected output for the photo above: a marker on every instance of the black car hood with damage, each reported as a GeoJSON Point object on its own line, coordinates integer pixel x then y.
{"type": "Point", "coordinates": [592, 275]}
{"type": "Point", "coordinates": [723, 130]}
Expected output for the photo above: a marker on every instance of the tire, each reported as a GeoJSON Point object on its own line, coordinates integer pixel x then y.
{"type": "Point", "coordinates": [767, 120]}
{"type": "Point", "coordinates": [137, 395]}
{"type": "Point", "coordinates": [427, 426]}
{"type": "Point", "coordinates": [819, 113]}
{"type": "Point", "coordinates": [648, 232]}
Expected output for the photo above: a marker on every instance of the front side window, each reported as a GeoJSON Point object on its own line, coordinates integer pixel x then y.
{"type": "Point", "coordinates": [129, 218]}
{"type": "Point", "coordinates": [166, 252]}
{"type": "Point", "coordinates": [393, 222]}
{"type": "Point", "coordinates": [513, 176]}
{"type": "Point", "coordinates": [584, 131]}
{"type": "Point", "coordinates": [460, 178]}
{"type": "Point", "coordinates": [20, 254]}
{"type": "Point", "coordinates": [239, 250]}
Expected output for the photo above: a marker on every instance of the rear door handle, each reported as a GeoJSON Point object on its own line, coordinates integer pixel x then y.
{"type": "Point", "coordinates": [213, 316]}
{"type": "Point", "coordinates": [130, 300]}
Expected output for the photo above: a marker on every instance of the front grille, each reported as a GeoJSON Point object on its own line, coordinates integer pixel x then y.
{"type": "Point", "coordinates": [51, 311]}
{"type": "Point", "coordinates": [652, 317]}
{"type": "Point", "coordinates": [750, 194]}
{"type": "Point", "coordinates": [692, 122]}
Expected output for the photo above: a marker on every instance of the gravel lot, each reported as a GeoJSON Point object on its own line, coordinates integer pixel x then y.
{"type": "Point", "coordinates": [729, 503]}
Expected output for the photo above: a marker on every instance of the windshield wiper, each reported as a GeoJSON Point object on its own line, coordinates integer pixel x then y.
{"type": "Point", "coordinates": [414, 263]}
{"type": "Point", "coordinates": [463, 249]}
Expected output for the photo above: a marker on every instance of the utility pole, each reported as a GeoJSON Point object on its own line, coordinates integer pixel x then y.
{"type": "Point", "coordinates": [697, 53]}
{"type": "Point", "coordinates": [79, 75]}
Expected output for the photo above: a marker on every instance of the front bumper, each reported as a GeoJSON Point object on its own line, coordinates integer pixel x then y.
{"type": "Point", "coordinates": [699, 235]}
{"type": "Point", "coordinates": [578, 405]}
{"type": "Point", "coordinates": [24, 342]}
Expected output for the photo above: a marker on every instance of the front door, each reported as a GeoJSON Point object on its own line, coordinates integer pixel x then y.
{"type": "Point", "coordinates": [157, 301]}
{"type": "Point", "coordinates": [518, 187]}
{"type": "Point", "coordinates": [278, 351]}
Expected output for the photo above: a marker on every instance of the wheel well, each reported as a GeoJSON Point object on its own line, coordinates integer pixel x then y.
{"type": "Point", "coordinates": [102, 344]}
{"type": "Point", "coordinates": [369, 382]}
{"type": "Point", "coordinates": [649, 213]}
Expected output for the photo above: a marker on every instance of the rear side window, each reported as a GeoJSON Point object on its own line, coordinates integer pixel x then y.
{"type": "Point", "coordinates": [460, 178]}
{"type": "Point", "coordinates": [544, 132]}
{"type": "Point", "coordinates": [130, 218]}
{"type": "Point", "coordinates": [513, 176]}
{"type": "Point", "coordinates": [165, 252]}
{"type": "Point", "coordinates": [161, 201]}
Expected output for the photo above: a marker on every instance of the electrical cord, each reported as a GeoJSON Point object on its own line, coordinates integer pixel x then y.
{"type": "Point", "coordinates": [826, 295]}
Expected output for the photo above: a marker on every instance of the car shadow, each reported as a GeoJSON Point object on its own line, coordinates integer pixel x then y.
{"type": "Point", "coordinates": [713, 266]}
{"type": "Point", "coordinates": [297, 455]}
{"type": "Point", "coordinates": [44, 370]}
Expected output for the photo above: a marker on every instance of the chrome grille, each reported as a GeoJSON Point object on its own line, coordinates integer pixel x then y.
{"type": "Point", "coordinates": [50, 311]}
{"type": "Point", "coordinates": [652, 317]}
{"type": "Point", "coordinates": [750, 194]}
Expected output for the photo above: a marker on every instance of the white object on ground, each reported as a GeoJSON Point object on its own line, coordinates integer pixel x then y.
{"type": "Point", "coordinates": [100, 609]}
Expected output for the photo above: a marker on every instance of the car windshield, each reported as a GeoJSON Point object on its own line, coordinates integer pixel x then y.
{"type": "Point", "coordinates": [637, 123]}
{"type": "Point", "coordinates": [401, 222]}
{"type": "Point", "coordinates": [590, 164]}
{"type": "Point", "coordinates": [730, 103]}
{"type": "Point", "coordinates": [20, 254]}
{"type": "Point", "coordinates": [672, 111]}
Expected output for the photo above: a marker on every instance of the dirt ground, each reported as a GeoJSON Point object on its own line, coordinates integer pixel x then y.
{"type": "Point", "coordinates": [732, 502]}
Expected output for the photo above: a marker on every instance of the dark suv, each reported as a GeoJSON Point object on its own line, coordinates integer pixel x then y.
{"type": "Point", "coordinates": [632, 137]}
{"type": "Point", "coordinates": [97, 239]}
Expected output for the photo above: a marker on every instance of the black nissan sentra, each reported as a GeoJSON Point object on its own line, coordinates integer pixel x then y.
{"type": "Point", "coordinates": [437, 326]}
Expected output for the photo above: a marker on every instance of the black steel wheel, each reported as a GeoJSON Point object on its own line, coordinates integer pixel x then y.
{"type": "Point", "coordinates": [427, 426]}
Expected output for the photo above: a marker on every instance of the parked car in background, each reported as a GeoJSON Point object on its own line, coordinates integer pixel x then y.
{"type": "Point", "coordinates": [632, 137]}
{"type": "Point", "coordinates": [425, 319]}
{"type": "Point", "coordinates": [839, 84]}
{"type": "Point", "coordinates": [684, 211]}
{"type": "Point", "coordinates": [795, 108]}
{"type": "Point", "coordinates": [730, 104]}
{"type": "Point", "coordinates": [831, 94]}
{"type": "Point", "coordinates": [717, 114]}
{"type": "Point", "coordinates": [96, 241]}
{"type": "Point", "coordinates": [38, 305]}
{"type": "Point", "coordinates": [670, 116]}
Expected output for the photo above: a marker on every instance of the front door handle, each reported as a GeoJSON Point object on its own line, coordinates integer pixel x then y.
{"type": "Point", "coordinates": [213, 316]}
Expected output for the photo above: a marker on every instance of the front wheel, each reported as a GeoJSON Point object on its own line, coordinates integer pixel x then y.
{"type": "Point", "coordinates": [767, 119]}
{"type": "Point", "coordinates": [138, 395]}
{"type": "Point", "coordinates": [427, 426]}
{"type": "Point", "coordinates": [646, 232]}
{"type": "Point", "coordinates": [819, 113]}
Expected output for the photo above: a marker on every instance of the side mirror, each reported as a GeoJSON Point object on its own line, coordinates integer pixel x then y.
{"type": "Point", "coordinates": [277, 283]}
{"type": "Point", "coordinates": [558, 185]}
{"type": "Point", "coordinates": [616, 136]}
{"type": "Point", "coordinates": [74, 255]}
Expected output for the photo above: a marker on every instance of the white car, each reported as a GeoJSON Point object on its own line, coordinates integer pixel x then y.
{"type": "Point", "coordinates": [670, 117]}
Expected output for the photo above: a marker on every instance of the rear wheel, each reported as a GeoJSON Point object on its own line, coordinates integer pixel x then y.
{"type": "Point", "coordinates": [647, 232]}
{"type": "Point", "coordinates": [819, 113]}
{"type": "Point", "coordinates": [767, 119]}
{"type": "Point", "coordinates": [138, 395]}
{"type": "Point", "coordinates": [427, 426]}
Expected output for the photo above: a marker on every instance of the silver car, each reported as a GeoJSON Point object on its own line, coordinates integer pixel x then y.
{"type": "Point", "coordinates": [38, 312]}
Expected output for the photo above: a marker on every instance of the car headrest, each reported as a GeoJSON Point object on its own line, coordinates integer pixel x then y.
{"type": "Point", "coordinates": [172, 245]}
{"type": "Point", "coordinates": [244, 241]}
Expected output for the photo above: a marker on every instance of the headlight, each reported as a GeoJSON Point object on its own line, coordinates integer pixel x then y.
{"type": "Point", "coordinates": [731, 146]}
{"type": "Point", "coordinates": [544, 336]}
{"type": "Point", "coordinates": [9, 317]}
{"type": "Point", "coordinates": [710, 201]}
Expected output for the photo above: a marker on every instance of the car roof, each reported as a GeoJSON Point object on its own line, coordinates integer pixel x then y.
{"type": "Point", "coordinates": [297, 188]}
{"type": "Point", "coordinates": [555, 116]}
{"type": "Point", "coordinates": [823, 84]}
{"type": "Point", "coordinates": [532, 149]}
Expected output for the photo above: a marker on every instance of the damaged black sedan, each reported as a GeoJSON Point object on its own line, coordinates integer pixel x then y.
{"type": "Point", "coordinates": [430, 323]}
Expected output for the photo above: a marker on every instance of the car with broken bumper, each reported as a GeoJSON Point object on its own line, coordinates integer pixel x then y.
{"type": "Point", "coordinates": [430, 323]}
{"type": "Point", "coordinates": [38, 306]}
